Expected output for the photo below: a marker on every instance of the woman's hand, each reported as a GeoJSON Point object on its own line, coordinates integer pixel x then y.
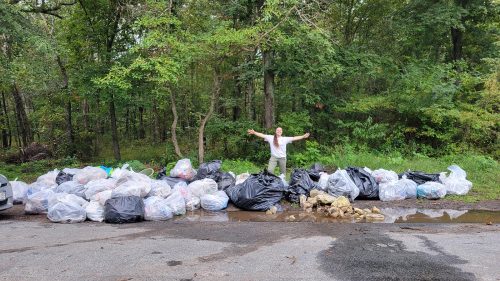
{"type": "Point", "coordinates": [306, 135]}
{"type": "Point", "coordinates": [251, 132]}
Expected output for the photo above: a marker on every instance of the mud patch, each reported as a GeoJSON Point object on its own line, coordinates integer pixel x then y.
{"type": "Point", "coordinates": [378, 257]}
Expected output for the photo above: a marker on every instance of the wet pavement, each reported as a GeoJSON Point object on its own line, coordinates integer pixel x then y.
{"type": "Point", "coordinates": [422, 244]}
{"type": "Point", "coordinates": [392, 215]}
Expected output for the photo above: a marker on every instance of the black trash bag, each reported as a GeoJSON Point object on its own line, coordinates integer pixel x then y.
{"type": "Point", "coordinates": [225, 181]}
{"type": "Point", "coordinates": [300, 183]}
{"type": "Point", "coordinates": [63, 177]}
{"type": "Point", "coordinates": [162, 173]}
{"type": "Point", "coordinates": [420, 177]}
{"type": "Point", "coordinates": [124, 209]}
{"type": "Point", "coordinates": [212, 170]}
{"type": "Point", "coordinates": [173, 181]}
{"type": "Point", "coordinates": [257, 193]}
{"type": "Point", "coordinates": [368, 187]}
{"type": "Point", "coordinates": [314, 171]}
{"type": "Point", "coordinates": [208, 170]}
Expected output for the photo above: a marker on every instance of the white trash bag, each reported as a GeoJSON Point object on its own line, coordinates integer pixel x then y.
{"type": "Point", "coordinates": [192, 202]}
{"type": "Point", "coordinates": [384, 176]}
{"type": "Point", "coordinates": [176, 202]}
{"type": "Point", "coordinates": [38, 202]}
{"type": "Point", "coordinates": [95, 211]}
{"type": "Point", "coordinates": [132, 184]}
{"type": "Point", "coordinates": [183, 169]}
{"type": "Point", "coordinates": [89, 173]}
{"type": "Point", "coordinates": [102, 196]}
{"type": "Point", "coordinates": [71, 187]}
{"type": "Point", "coordinates": [160, 188]}
{"type": "Point", "coordinates": [341, 184]}
{"type": "Point", "coordinates": [201, 187]}
{"type": "Point", "coordinates": [19, 191]}
{"type": "Point", "coordinates": [157, 209]}
{"type": "Point", "coordinates": [48, 179]}
{"type": "Point", "coordinates": [241, 178]}
{"type": "Point", "coordinates": [68, 212]}
{"type": "Point", "coordinates": [397, 190]}
{"type": "Point", "coordinates": [431, 190]}
{"type": "Point", "coordinates": [66, 198]}
{"type": "Point", "coordinates": [95, 186]}
{"type": "Point", "coordinates": [323, 180]}
{"type": "Point", "coordinates": [214, 202]}
{"type": "Point", "coordinates": [456, 182]}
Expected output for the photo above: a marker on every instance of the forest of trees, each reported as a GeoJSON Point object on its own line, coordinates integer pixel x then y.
{"type": "Point", "coordinates": [415, 76]}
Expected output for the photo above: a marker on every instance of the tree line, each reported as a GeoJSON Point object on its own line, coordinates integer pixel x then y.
{"type": "Point", "coordinates": [416, 76]}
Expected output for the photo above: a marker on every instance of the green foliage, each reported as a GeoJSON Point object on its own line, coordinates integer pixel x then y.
{"type": "Point", "coordinates": [240, 166]}
{"type": "Point", "coordinates": [361, 76]}
{"type": "Point", "coordinates": [295, 123]}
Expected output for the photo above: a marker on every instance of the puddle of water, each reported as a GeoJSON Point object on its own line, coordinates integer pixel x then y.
{"type": "Point", "coordinates": [392, 215]}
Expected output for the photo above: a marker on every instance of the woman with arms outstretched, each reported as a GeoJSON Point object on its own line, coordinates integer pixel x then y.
{"type": "Point", "coordinates": [278, 148]}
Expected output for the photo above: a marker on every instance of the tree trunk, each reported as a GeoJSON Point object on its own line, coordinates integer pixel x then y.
{"type": "Point", "coordinates": [85, 111]}
{"type": "Point", "coordinates": [5, 137]}
{"type": "Point", "coordinates": [174, 125]}
{"type": "Point", "coordinates": [456, 40]}
{"type": "Point", "coordinates": [24, 125]}
{"type": "Point", "coordinates": [249, 94]}
{"type": "Point", "coordinates": [9, 130]}
{"type": "Point", "coordinates": [69, 124]}
{"type": "Point", "coordinates": [213, 101]}
{"type": "Point", "coordinates": [142, 132]}
{"type": "Point", "coordinates": [237, 95]}
{"type": "Point", "coordinates": [127, 122]}
{"type": "Point", "coordinates": [114, 129]}
{"type": "Point", "coordinates": [268, 89]}
{"type": "Point", "coordinates": [156, 122]}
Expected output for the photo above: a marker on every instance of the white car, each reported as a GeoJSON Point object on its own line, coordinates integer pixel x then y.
{"type": "Point", "coordinates": [6, 199]}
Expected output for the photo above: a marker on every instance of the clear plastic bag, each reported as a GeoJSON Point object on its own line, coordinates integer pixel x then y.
{"type": "Point", "coordinates": [66, 199]}
{"type": "Point", "coordinates": [120, 172]}
{"type": "Point", "coordinates": [176, 202]}
{"type": "Point", "coordinates": [38, 202]}
{"type": "Point", "coordinates": [132, 184]}
{"type": "Point", "coordinates": [456, 182]}
{"type": "Point", "coordinates": [95, 211]}
{"type": "Point", "coordinates": [192, 202]}
{"type": "Point", "coordinates": [183, 169]}
{"type": "Point", "coordinates": [214, 202]}
{"type": "Point", "coordinates": [89, 173]}
{"type": "Point", "coordinates": [71, 187]}
{"type": "Point", "coordinates": [323, 180]}
{"type": "Point", "coordinates": [48, 179]}
{"type": "Point", "coordinates": [341, 184]}
{"type": "Point", "coordinates": [201, 187]}
{"type": "Point", "coordinates": [95, 186]}
{"type": "Point", "coordinates": [102, 196]}
{"type": "Point", "coordinates": [160, 188]}
{"type": "Point", "coordinates": [398, 190]}
{"type": "Point", "coordinates": [157, 209]}
{"type": "Point", "coordinates": [384, 176]}
{"type": "Point", "coordinates": [66, 213]}
{"type": "Point", "coordinates": [241, 178]}
{"type": "Point", "coordinates": [19, 191]}
{"type": "Point", "coordinates": [431, 190]}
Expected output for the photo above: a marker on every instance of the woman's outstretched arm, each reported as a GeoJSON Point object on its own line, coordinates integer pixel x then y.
{"type": "Point", "coordinates": [252, 132]}
{"type": "Point", "coordinates": [304, 136]}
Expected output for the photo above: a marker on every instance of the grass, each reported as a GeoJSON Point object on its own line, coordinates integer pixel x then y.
{"type": "Point", "coordinates": [482, 171]}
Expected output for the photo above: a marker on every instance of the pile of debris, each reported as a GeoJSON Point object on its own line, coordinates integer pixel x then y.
{"type": "Point", "coordinates": [121, 195]}
{"type": "Point", "coordinates": [337, 207]}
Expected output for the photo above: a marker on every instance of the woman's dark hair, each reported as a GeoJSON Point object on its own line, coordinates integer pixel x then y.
{"type": "Point", "coordinates": [275, 141]}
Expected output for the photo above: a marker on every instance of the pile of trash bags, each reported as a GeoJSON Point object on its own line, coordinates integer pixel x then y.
{"type": "Point", "coordinates": [121, 195]}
